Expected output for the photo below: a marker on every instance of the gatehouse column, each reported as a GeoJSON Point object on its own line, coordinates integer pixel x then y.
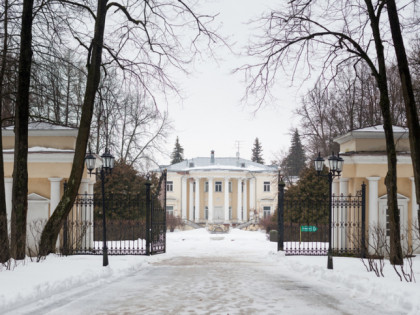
{"type": "Point", "coordinates": [197, 200]}
{"type": "Point", "coordinates": [252, 194]}
{"type": "Point", "coordinates": [55, 192]}
{"type": "Point", "coordinates": [8, 184]}
{"type": "Point", "coordinates": [373, 206]}
{"type": "Point", "coordinates": [184, 198]}
{"type": "Point", "coordinates": [226, 199]}
{"type": "Point", "coordinates": [84, 186]}
{"type": "Point", "coordinates": [191, 203]}
{"type": "Point", "coordinates": [210, 202]}
{"type": "Point", "coordinates": [245, 202]}
{"type": "Point", "coordinates": [239, 210]}
{"type": "Point", "coordinates": [415, 220]}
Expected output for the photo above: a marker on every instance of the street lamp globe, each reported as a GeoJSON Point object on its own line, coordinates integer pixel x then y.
{"type": "Point", "coordinates": [333, 161]}
{"type": "Point", "coordinates": [107, 160]}
{"type": "Point", "coordinates": [340, 163]}
{"type": "Point", "coordinates": [319, 163]}
{"type": "Point", "coordinates": [90, 162]}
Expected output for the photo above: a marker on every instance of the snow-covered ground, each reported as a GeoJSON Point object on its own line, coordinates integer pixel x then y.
{"type": "Point", "coordinates": [243, 268]}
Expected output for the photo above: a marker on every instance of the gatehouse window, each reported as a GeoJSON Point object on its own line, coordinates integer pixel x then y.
{"type": "Point", "coordinates": [267, 211]}
{"type": "Point", "coordinates": [170, 210]}
{"type": "Point", "coordinates": [266, 186]}
{"type": "Point", "coordinates": [169, 186]}
{"type": "Point", "coordinates": [218, 187]}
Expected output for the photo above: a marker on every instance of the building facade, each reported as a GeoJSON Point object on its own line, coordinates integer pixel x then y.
{"type": "Point", "coordinates": [221, 190]}
{"type": "Point", "coordinates": [365, 161]}
{"type": "Point", "coordinates": [50, 158]}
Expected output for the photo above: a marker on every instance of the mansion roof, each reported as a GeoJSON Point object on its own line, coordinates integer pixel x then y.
{"type": "Point", "coordinates": [220, 164]}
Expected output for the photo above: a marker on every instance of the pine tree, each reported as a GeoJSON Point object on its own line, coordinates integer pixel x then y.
{"type": "Point", "coordinates": [295, 160]}
{"type": "Point", "coordinates": [257, 152]}
{"type": "Point", "coordinates": [178, 153]}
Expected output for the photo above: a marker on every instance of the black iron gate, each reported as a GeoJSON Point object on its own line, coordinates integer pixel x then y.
{"type": "Point", "coordinates": [304, 224]}
{"type": "Point", "coordinates": [135, 223]}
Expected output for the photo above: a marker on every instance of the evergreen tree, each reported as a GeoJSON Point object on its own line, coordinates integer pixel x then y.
{"type": "Point", "coordinates": [257, 152]}
{"type": "Point", "coordinates": [295, 160]}
{"type": "Point", "coordinates": [178, 153]}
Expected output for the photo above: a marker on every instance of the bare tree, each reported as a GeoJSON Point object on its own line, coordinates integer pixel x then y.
{"type": "Point", "coordinates": [338, 32]}
{"type": "Point", "coordinates": [150, 30]}
{"type": "Point", "coordinates": [4, 236]}
{"type": "Point", "coordinates": [408, 93]}
{"type": "Point", "coordinates": [20, 166]}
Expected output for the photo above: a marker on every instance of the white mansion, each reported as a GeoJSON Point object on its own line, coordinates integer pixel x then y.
{"type": "Point", "coordinates": [221, 190]}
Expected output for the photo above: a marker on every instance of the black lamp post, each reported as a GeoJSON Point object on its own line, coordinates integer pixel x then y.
{"type": "Point", "coordinates": [335, 166]}
{"type": "Point", "coordinates": [107, 166]}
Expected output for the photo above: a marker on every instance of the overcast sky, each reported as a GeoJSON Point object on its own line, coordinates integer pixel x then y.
{"type": "Point", "coordinates": [211, 116]}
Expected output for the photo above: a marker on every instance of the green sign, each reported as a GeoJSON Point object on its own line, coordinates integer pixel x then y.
{"type": "Point", "coordinates": [308, 228]}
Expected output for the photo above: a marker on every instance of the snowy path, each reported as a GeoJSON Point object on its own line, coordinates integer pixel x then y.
{"type": "Point", "coordinates": [205, 276]}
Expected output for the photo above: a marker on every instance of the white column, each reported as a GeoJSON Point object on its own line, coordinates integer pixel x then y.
{"type": "Point", "coordinates": [191, 200]}
{"type": "Point", "coordinates": [336, 215]}
{"type": "Point", "coordinates": [245, 203]}
{"type": "Point", "coordinates": [55, 192]}
{"type": "Point", "coordinates": [226, 199]}
{"type": "Point", "coordinates": [415, 222]}
{"type": "Point", "coordinates": [373, 206]}
{"type": "Point", "coordinates": [252, 194]}
{"type": "Point", "coordinates": [239, 200]}
{"type": "Point", "coordinates": [344, 191]}
{"type": "Point", "coordinates": [184, 198]}
{"type": "Point", "coordinates": [197, 199]}
{"type": "Point", "coordinates": [84, 186]}
{"type": "Point", "coordinates": [8, 184]}
{"type": "Point", "coordinates": [210, 202]}
{"type": "Point", "coordinates": [90, 188]}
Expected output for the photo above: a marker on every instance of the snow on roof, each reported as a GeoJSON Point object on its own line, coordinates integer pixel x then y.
{"type": "Point", "coordinates": [373, 132]}
{"type": "Point", "coordinates": [42, 126]}
{"type": "Point", "coordinates": [41, 150]}
{"type": "Point", "coordinates": [380, 128]}
{"type": "Point", "coordinates": [220, 164]}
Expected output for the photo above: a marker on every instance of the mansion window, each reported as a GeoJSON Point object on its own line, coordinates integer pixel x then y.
{"type": "Point", "coordinates": [206, 187]}
{"type": "Point", "coordinates": [206, 212]}
{"type": "Point", "coordinates": [267, 211]}
{"type": "Point", "coordinates": [230, 213]}
{"type": "Point", "coordinates": [266, 186]}
{"type": "Point", "coordinates": [230, 187]}
{"type": "Point", "coordinates": [218, 187]}
{"type": "Point", "coordinates": [169, 186]}
{"type": "Point", "coordinates": [170, 210]}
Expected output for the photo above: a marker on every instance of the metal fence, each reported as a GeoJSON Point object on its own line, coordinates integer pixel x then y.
{"type": "Point", "coordinates": [135, 223]}
{"type": "Point", "coordinates": [304, 224]}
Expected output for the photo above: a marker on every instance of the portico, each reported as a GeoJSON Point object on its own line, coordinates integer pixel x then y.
{"type": "Point", "coordinates": [220, 190]}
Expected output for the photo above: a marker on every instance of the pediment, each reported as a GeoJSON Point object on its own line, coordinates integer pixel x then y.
{"type": "Point", "coordinates": [36, 197]}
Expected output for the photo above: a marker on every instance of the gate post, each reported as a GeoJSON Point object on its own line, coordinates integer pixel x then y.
{"type": "Point", "coordinates": [280, 214]}
{"type": "Point", "coordinates": [363, 252]}
{"type": "Point", "coordinates": [65, 229]}
{"type": "Point", "coordinates": [148, 214]}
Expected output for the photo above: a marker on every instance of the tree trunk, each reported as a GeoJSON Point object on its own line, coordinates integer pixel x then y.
{"type": "Point", "coordinates": [4, 237]}
{"type": "Point", "coordinates": [408, 94]}
{"type": "Point", "coordinates": [56, 221]}
{"type": "Point", "coordinates": [396, 257]}
{"type": "Point", "coordinates": [20, 166]}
